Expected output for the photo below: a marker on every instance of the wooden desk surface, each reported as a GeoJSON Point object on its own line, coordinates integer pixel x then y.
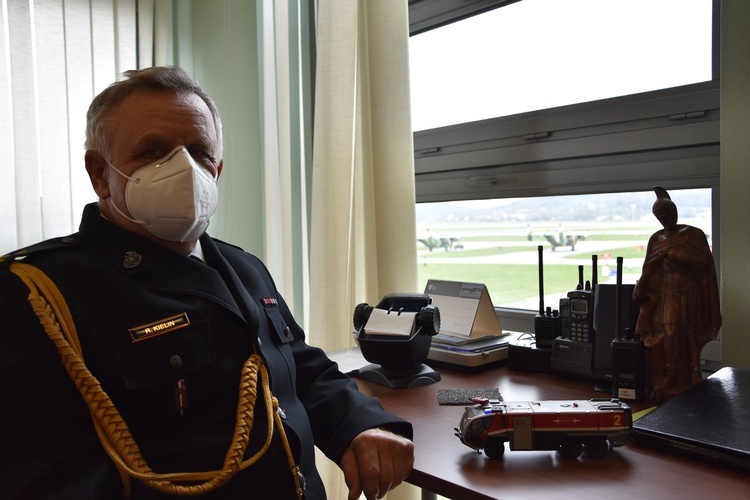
{"type": "Point", "coordinates": [445, 466]}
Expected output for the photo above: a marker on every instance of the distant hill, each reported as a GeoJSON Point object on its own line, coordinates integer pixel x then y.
{"type": "Point", "coordinates": [610, 206]}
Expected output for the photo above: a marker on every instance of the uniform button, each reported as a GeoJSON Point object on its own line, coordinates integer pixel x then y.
{"type": "Point", "coordinates": [260, 344]}
{"type": "Point", "coordinates": [175, 361]}
{"type": "Point", "coordinates": [282, 413]}
{"type": "Point", "coordinates": [287, 331]}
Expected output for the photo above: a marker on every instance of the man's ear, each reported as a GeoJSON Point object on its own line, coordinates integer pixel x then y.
{"type": "Point", "coordinates": [219, 168]}
{"type": "Point", "coordinates": [96, 166]}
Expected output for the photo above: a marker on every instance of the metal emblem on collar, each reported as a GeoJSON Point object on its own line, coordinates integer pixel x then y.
{"type": "Point", "coordinates": [131, 260]}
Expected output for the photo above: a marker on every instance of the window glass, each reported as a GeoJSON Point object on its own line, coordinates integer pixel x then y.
{"type": "Point", "coordinates": [538, 54]}
{"type": "Point", "coordinates": [495, 242]}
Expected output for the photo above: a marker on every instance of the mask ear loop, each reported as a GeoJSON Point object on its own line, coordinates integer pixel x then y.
{"type": "Point", "coordinates": [137, 181]}
{"type": "Point", "coordinates": [140, 222]}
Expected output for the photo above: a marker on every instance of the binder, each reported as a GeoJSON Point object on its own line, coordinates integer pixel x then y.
{"type": "Point", "coordinates": [710, 420]}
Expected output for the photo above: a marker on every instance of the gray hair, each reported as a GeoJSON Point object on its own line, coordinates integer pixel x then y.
{"type": "Point", "coordinates": [156, 78]}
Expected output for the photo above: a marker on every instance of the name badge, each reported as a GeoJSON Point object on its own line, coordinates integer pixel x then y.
{"type": "Point", "coordinates": [160, 327]}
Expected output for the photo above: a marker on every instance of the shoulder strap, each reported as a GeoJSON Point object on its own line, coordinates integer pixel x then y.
{"type": "Point", "coordinates": [41, 248]}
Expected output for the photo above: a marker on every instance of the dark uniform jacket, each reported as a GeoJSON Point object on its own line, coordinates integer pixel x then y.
{"type": "Point", "coordinates": [116, 284]}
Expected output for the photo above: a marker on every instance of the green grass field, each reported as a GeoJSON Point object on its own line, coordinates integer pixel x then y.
{"type": "Point", "coordinates": [507, 284]}
{"type": "Point", "coordinates": [511, 283]}
{"type": "Point", "coordinates": [624, 252]}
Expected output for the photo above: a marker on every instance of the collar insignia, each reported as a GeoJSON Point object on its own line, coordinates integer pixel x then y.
{"type": "Point", "coordinates": [131, 260]}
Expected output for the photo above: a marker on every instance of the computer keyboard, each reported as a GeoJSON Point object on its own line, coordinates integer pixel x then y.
{"type": "Point", "coordinates": [450, 339]}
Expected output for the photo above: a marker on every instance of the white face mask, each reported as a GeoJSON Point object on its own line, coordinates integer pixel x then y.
{"type": "Point", "coordinates": [172, 198]}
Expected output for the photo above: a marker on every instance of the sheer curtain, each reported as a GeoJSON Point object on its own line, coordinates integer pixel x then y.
{"type": "Point", "coordinates": [286, 115]}
{"type": "Point", "coordinates": [363, 234]}
{"type": "Point", "coordinates": [55, 56]}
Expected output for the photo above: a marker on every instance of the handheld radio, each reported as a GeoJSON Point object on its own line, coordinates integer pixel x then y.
{"type": "Point", "coordinates": [547, 324]}
{"type": "Point", "coordinates": [628, 355]}
{"type": "Point", "coordinates": [581, 308]}
{"type": "Point", "coordinates": [573, 352]}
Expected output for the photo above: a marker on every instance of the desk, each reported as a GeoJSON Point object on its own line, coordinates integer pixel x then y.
{"type": "Point", "coordinates": [443, 465]}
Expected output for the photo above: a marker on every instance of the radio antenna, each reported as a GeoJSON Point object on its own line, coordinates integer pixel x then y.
{"type": "Point", "coordinates": [618, 294]}
{"type": "Point", "coordinates": [580, 278]}
{"type": "Point", "coordinates": [594, 272]}
{"type": "Point", "coordinates": [541, 282]}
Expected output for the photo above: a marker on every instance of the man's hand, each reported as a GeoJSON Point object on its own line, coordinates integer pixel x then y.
{"type": "Point", "coordinates": [375, 462]}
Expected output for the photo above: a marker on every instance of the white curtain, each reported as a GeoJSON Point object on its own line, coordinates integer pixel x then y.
{"type": "Point", "coordinates": [363, 233]}
{"type": "Point", "coordinates": [55, 56]}
{"type": "Point", "coordinates": [285, 77]}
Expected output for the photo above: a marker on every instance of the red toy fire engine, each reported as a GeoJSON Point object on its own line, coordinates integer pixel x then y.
{"type": "Point", "coordinates": [571, 427]}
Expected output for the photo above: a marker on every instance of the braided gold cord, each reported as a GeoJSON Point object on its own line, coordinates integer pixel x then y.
{"type": "Point", "coordinates": [49, 305]}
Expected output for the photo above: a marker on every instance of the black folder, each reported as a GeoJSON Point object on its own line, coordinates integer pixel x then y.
{"type": "Point", "coordinates": [710, 420]}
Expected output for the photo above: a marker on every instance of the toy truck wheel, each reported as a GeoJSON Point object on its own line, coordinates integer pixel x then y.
{"type": "Point", "coordinates": [494, 448]}
{"type": "Point", "coordinates": [571, 448]}
{"type": "Point", "coordinates": [596, 448]}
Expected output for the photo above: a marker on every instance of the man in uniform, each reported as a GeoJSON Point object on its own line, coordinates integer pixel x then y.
{"type": "Point", "coordinates": [189, 374]}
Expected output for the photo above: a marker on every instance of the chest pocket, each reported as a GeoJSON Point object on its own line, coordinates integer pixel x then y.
{"type": "Point", "coordinates": [168, 357]}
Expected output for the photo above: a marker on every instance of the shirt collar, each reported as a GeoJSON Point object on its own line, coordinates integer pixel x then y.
{"type": "Point", "coordinates": [198, 251]}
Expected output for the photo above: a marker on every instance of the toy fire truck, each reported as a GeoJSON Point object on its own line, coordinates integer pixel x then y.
{"type": "Point", "coordinates": [571, 427]}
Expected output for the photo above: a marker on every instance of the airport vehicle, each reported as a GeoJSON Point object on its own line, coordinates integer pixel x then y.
{"type": "Point", "coordinates": [570, 427]}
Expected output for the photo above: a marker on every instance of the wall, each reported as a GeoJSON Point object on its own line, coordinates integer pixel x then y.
{"type": "Point", "coordinates": [735, 181]}
{"type": "Point", "coordinates": [217, 42]}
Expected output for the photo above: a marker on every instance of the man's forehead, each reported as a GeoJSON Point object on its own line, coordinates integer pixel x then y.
{"type": "Point", "coordinates": [150, 100]}
{"type": "Point", "coordinates": [144, 109]}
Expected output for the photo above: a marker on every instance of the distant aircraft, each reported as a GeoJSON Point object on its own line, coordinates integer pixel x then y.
{"type": "Point", "coordinates": [564, 240]}
{"type": "Point", "coordinates": [446, 243]}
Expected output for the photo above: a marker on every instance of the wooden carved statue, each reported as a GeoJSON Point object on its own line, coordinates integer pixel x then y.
{"type": "Point", "coordinates": [678, 297]}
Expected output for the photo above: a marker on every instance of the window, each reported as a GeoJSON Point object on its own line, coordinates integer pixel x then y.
{"type": "Point", "coordinates": [539, 54]}
{"type": "Point", "coordinates": [559, 126]}
{"type": "Point", "coordinates": [496, 241]}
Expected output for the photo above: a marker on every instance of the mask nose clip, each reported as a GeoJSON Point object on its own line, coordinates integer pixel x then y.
{"type": "Point", "coordinates": [172, 155]}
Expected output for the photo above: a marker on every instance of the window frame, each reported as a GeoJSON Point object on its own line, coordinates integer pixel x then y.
{"type": "Point", "coordinates": [670, 136]}
{"type": "Point", "coordinates": [630, 143]}
{"type": "Point", "coordinates": [425, 15]}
